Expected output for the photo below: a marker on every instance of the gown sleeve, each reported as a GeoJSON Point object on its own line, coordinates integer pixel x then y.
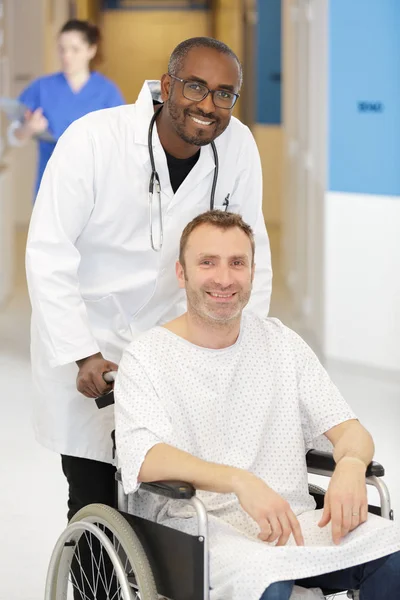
{"type": "Point", "coordinates": [141, 420]}
{"type": "Point", "coordinates": [321, 404]}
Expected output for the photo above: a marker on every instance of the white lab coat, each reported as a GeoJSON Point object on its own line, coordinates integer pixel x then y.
{"type": "Point", "coordinates": [94, 280]}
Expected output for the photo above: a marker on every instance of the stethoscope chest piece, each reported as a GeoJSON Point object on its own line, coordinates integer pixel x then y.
{"type": "Point", "coordinates": [155, 183]}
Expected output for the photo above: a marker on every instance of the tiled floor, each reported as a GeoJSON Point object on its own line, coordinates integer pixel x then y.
{"type": "Point", "coordinates": [33, 491]}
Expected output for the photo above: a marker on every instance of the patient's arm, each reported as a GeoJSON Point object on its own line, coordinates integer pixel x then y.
{"type": "Point", "coordinates": [270, 511]}
{"type": "Point", "coordinates": [351, 441]}
{"type": "Point", "coordinates": [165, 462]}
{"type": "Point", "coordinates": [346, 503]}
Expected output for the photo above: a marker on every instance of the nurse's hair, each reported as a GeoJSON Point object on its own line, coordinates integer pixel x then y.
{"type": "Point", "coordinates": [178, 56]}
{"type": "Point", "coordinates": [90, 32]}
{"type": "Point", "coordinates": [221, 220]}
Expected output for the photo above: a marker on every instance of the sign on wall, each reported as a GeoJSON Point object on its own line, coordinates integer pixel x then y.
{"type": "Point", "coordinates": [364, 97]}
{"type": "Point", "coordinates": [156, 4]}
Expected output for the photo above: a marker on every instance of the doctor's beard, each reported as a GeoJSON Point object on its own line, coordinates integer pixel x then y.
{"type": "Point", "coordinates": [182, 124]}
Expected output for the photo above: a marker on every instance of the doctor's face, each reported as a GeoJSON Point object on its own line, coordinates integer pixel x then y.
{"type": "Point", "coordinates": [75, 52]}
{"type": "Point", "coordinates": [199, 123]}
{"type": "Point", "coordinates": [217, 273]}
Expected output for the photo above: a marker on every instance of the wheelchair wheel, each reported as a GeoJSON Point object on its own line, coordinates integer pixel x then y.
{"type": "Point", "coordinates": [99, 557]}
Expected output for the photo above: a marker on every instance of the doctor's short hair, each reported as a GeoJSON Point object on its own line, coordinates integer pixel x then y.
{"type": "Point", "coordinates": [178, 56]}
{"type": "Point", "coordinates": [221, 220]}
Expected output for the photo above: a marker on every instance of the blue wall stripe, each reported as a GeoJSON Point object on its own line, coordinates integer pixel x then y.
{"type": "Point", "coordinates": [364, 123]}
{"type": "Point", "coordinates": [268, 56]}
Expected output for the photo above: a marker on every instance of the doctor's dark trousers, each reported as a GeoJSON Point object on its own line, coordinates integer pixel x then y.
{"type": "Point", "coordinates": [89, 482]}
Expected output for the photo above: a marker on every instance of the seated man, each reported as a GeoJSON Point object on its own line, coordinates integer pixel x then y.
{"type": "Point", "coordinates": [231, 403]}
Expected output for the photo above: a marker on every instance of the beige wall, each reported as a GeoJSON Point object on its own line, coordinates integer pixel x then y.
{"type": "Point", "coordinates": [56, 14]}
{"type": "Point", "coordinates": [227, 24]}
{"type": "Point", "coordinates": [269, 140]}
{"type": "Point", "coordinates": [88, 9]}
{"type": "Point", "coordinates": [137, 44]}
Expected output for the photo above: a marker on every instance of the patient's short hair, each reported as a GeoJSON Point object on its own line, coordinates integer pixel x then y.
{"type": "Point", "coordinates": [217, 218]}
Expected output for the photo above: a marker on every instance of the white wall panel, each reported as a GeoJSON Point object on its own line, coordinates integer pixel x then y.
{"type": "Point", "coordinates": [362, 267]}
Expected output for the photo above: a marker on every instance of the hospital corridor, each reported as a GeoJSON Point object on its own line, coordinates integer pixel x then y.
{"type": "Point", "coordinates": [316, 113]}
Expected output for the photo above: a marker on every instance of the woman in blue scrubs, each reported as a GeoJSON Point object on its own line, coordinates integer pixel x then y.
{"type": "Point", "coordinates": [56, 100]}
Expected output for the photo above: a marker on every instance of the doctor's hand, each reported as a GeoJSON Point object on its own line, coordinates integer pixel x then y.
{"type": "Point", "coordinates": [89, 381]}
{"type": "Point", "coordinates": [271, 512]}
{"type": "Point", "coordinates": [346, 502]}
{"type": "Point", "coordinates": [35, 122]}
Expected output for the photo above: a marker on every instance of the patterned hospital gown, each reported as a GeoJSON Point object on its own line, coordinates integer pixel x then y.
{"type": "Point", "coordinates": [257, 405]}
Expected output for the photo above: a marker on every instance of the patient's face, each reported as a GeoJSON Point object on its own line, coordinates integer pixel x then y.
{"type": "Point", "coordinates": [218, 273]}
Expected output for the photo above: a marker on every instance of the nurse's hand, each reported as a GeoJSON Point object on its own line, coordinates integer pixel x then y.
{"type": "Point", "coordinates": [35, 122]}
{"type": "Point", "coordinates": [271, 512]}
{"type": "Point", "coordinates": [346, 501]}
{"type": "Point", "coordinates": [89, 381]}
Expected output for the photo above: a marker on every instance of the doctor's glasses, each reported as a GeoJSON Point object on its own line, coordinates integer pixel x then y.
{"type": "Point", "coordinates": [196, 92]}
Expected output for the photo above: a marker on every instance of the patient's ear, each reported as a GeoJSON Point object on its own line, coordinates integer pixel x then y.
{"type": "Point", "coordinates": [180, 274]}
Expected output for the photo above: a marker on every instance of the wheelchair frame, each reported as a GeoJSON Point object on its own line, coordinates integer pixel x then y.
{"type": "Point", "coordinates": [318, 463]}
{"type": "Point", "coordinates": [190, 564]}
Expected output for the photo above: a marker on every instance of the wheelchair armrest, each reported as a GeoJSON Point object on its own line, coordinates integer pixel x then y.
{"type": "Point", "coordinates": [177, 490]}
{"type": "Point", "coordinates": [323, 463]}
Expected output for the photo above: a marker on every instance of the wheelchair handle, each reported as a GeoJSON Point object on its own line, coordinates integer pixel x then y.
{"type": "Point", "coordinates": [107, 399]}
{"type": "Point", "coordinates": [110, 376]}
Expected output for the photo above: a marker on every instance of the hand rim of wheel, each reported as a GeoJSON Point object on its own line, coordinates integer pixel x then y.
{"type": "Point", "coordinates": [88, 519]}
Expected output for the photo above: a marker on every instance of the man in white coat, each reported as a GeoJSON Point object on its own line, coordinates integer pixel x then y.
{"type": "Point", "coordinates": [100, 270]}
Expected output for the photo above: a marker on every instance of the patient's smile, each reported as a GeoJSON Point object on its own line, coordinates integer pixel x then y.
{"type": "Point", "coordinates": [216, 295]}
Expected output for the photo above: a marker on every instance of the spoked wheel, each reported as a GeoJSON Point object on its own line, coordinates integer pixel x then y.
{"type": "Point", "coordinates": [99, 557]}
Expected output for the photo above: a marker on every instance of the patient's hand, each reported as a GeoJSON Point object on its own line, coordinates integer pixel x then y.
{"type": "Point", "coordinates": [270, 511]}
{"type": "Point", "coordinates": [346, 502]}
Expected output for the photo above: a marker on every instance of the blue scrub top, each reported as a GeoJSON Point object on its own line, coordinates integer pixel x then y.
{"type": "Point", "coordinates": [61, 106]}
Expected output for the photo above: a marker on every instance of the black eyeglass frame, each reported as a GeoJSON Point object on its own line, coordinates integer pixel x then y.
{"type": "Point", "coordinates": [212, 92]}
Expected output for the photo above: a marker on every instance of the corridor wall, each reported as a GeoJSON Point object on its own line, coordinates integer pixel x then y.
{"type": "Point", "coordinates": [362, 218]}
{"type": "Point", "coordinates": [267, 128]}
{"type": "Point", "coordinates": [341, 210]}
{"type": "Point", "coordinates": [137, 42]}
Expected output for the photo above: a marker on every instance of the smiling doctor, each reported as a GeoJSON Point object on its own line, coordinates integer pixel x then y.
{"type": "Point", "coordinates": [101, 249]}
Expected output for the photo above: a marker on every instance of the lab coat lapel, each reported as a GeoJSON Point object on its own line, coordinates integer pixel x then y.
{"type": "Point", "coordinates": [145, 111]}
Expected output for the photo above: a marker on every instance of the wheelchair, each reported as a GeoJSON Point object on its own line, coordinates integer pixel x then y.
{"type": "Point", "coordinates": [132, 558]}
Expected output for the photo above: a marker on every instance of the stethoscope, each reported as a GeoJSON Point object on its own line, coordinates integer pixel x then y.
{"type": "Point", "coordinates": [155, 183]}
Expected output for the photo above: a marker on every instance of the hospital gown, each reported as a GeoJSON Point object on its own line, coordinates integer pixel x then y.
{"type": "Point", "coordinates": [257, 405]}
